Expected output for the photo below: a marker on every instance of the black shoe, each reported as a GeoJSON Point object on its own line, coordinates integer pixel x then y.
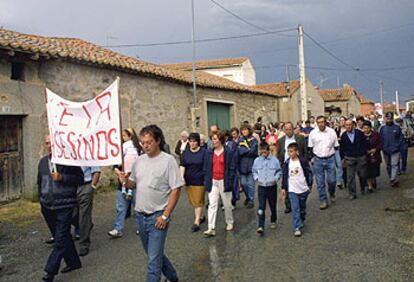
{"type": "Point", "coordinates": [288, 210]}
{"type": "Point", "coordinates": [202, 220]}
{"type": "Point", "coordinates": [250, 205]}
{"type": "Point", "coordinates": [49, 241]}
{"type": "Point", "coordinates": [69, 269]}
{"type": "Point", "coordinates": [76, 237]}
{"type": "Point", "coordinates": [195, 228]}
{"type": "Point", "coordinates": [370, 190]}
{"type": "Point", "coordinates": [352, 197]}
{"type": "Point", "coordinates": [246, 202]}
{"type": "Point", "coordinates": [83, 252]}
{"type": "Point", "coordinates": [48, 277]}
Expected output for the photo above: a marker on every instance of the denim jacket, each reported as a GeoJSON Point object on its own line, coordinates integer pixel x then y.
{"type": "Point", "coordinates": [266, 170]}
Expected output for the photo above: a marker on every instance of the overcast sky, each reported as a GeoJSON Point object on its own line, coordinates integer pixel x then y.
{"type": "Point", "coordinates": [366, 34]}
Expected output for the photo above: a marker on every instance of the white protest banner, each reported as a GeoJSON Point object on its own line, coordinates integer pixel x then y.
{"type": "Point", "coordinates": [85, 133]}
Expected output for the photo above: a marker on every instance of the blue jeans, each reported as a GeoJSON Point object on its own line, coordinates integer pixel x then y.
{"type": "Point", "coordinates": [298, 203]}
{"type": "Point", "coordinates": [339, 169]}
{"type": "Point", "coordinates": [268, 194]}
{"type": "Point", "coordinates": [153, 241]}
{"type": "Point", "coordinates": [122, 205]}
{"type": "Point", "coordinates": [392, 161]}
{"type": "Point", "coordinates": [404, 157]}
{"type": "Point", "coordinates": [324, 167]}
{"type": "Point", "coordinates": [248, 183]}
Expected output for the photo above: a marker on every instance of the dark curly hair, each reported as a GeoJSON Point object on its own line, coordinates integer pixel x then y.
{"type": "Point", "coordinates": [156, 133]}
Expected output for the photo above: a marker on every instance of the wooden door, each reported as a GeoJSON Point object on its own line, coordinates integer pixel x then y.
{"type": "Point", "coordinates": [11, 157]}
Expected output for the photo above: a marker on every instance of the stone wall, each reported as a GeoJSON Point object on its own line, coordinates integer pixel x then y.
{"type": "Point", "coordinates": [243, 106]}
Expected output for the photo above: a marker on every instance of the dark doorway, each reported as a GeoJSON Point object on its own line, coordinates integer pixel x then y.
{"type": "Point", "coordinates": [11, 157]}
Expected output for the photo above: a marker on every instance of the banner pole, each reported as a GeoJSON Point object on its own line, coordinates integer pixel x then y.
{"type": "Point", "coordinates": [120, 123]}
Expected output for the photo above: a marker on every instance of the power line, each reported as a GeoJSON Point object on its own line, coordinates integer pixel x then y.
{"type": "Point", "coordinates": [241, 18]}
{"type": "Point", "coordinates": [369, 33]}
{"type": "Point", "coordinates": [330, 53]}
{"type": "Point", "coordinates": [202, 40]}
{"type": "Point", "coordinates": [238, 17]}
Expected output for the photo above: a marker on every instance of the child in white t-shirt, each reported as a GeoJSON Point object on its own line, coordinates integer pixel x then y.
{"type": "Point", "coordinates": [297, 181]}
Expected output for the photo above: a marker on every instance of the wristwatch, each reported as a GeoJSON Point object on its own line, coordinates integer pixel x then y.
{"type": "Point", "coordinates": [165, 218]}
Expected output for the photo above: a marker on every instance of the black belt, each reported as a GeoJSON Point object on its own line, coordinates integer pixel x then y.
{"type": "Point", "coordinates": [325, 158]}
{"type": "Point", "coordinates": [146, 214]}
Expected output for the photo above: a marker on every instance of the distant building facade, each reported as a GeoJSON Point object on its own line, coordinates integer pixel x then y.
{"type": "Point", "coordinates": [290, 103]}
{"type": "Point", "coordinates": [239, 70]}
{"type": "Point", "coordinates": [343, 101]}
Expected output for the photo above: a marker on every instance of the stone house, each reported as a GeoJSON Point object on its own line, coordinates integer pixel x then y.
{"type": "Point", "coordinates": [238, 70]}
{"type": "Point", "coordinates": [289, 105]}
{"type": "Point", "coordinates": [78, 70]}
{"type": "Point", "coordinates": [343, 100]}
{"type": "Point", "coordinates": [367, 105]}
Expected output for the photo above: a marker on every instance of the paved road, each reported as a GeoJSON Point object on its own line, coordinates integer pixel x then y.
{"type": "Point", "coordinates": [369, 239]}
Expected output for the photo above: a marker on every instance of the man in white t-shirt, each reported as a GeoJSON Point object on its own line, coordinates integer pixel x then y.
{"type": "Point", "coordinates": [157, 179]}
{"type": "Point", "coordinates": [322, 143]}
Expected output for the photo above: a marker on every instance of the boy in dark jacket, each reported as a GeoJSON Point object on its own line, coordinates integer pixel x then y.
{"type": "Point", "coordinates": [297, 181]}
{"type": "Point", "coordinates": [57, 186]}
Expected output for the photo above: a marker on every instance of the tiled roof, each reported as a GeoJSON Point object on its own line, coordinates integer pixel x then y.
{"type": "Point", "coordinates": [391, 107]}
{"type": "Point", "coordinates": [77, 50]}
{"type": "Point", "coordinates": [337, 94]}
{"type": "Point", "coordinates": [278, 88]}
{"type": "Point", "coordinates": [207, 64]}
{"type": "Point", "coordinates": [363, 100]}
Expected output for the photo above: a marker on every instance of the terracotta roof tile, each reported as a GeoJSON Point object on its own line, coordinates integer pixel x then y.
{"type": "Point", "coordinates": [207, 64]}
{"type": "Point", "coordinates": [278, 88]}
{"type": "Point", "coordinates": [363, 100]}
{"type": "Point", "coordinates": [78, 50]}
{"type": "Point", "coordinates": [337, 94]}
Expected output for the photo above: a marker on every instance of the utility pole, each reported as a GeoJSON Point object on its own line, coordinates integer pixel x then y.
{"type": "Point", "coordinates": [338, 83]}
{"type": "Point", "coordinates": [193, 66]}
{"type": "Point", "coordinates": [397, 103]}
{"type": "Point", "coordinates": [302, 75]}
{"type": "Point", "coordinates": [382, 93]}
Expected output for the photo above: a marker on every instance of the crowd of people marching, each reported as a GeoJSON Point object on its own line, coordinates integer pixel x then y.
{"type": "Point", "coordinates": [225, 165]}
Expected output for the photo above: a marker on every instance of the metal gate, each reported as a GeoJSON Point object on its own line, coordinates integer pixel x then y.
{"type": "Point", "coordinates": [11, 157]}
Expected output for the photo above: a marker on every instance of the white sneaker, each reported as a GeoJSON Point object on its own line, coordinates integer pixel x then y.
{"type": "Point", "coordinates": [297, 233]}
{"type": "Point", "coordinates": [115, 234]}
{"type": "Point", "coordinates": [273, 225]}
{"type": "Point", "coordinates": [229, 227]}
{"type": "Point", "coordinates": [210, 233]}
